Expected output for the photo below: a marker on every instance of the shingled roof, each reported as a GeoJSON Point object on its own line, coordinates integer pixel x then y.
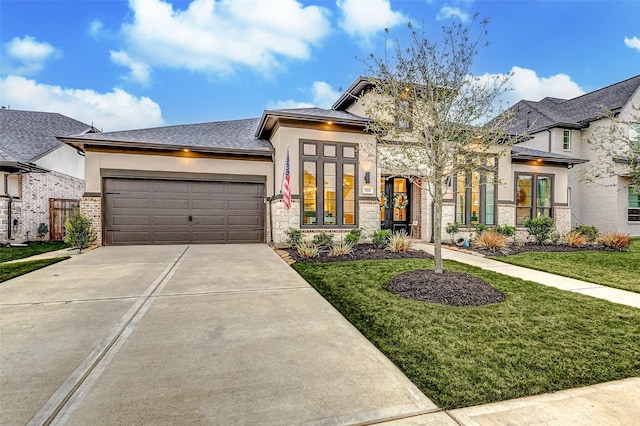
{"type": "Point", "coordinates": [228, 137]}
{"type": "Point", "coordinates": [532, 117]}
{"type": "Point", "coordinates": [527, 154]}
{"type": "Point", "coordinates": [26, 136]}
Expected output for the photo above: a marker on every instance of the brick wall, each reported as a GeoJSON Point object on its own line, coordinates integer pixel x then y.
{"type": "Point", "coordinates": [37, 188]}
{"type": "Point", "coordinates": [91, 207]}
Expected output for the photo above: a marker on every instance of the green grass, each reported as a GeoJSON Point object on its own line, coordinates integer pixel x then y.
{"type": "Point", "coordinates": [33, 248]}
{"type": "Point", "coordinates": [12, 270]}
{"type": "Point", "coordinates": [613, 269]}
{"type": "Point", "coordinates": [540, 339]}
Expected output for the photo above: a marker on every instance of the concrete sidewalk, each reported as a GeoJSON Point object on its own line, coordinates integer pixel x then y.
{"type": "Point", "coordinates": [614, 295]}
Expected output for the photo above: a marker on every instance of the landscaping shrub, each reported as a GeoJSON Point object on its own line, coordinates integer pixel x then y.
{"type": "Point", "coordinates": [591, 232]}
{"type": "Point", "coordinates": [481, 228]}
{"type": "Point", "coordinates": [353, 236]}
{"type": "Point", "coordinates": [79, 231]}
{"type": "Point", "coordinates": [294, 237]}
{"type": "Point", "coordinates": [341, 248]}
{"type": "Point", "coordinates": [492, 240]}
{"type": "Point", "coordinates": [506, 230]}
{"type": "Point", "coordinates": [452, 229]}
{"type": "Point", "coordinates": [43, 228]}
{"type": "Point", "coordinates": [541, 228]}
{"type": "Point", "coordinates": [615, 240]}
{"type": "Point", "coordinates": [381, 238]}
{"type": "Point", "coordinates": [306, 249]}
{"type": "Point", "coordinates": [323, 240]}
{"type": "Point", "coordinates": [575, 239]}
{"type": "Point", "coordinates": [400, 242]}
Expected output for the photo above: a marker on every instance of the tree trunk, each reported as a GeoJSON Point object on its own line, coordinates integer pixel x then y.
{"type": "Point", "coordinates": [437, 226]}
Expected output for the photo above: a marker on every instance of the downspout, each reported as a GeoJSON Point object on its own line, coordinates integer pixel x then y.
{"type": "Point", "coordinates": [9, 205]}
{"type": "Point", "coordinates": [273, 161]}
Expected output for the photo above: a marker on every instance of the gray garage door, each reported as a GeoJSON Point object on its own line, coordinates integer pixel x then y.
{"type": "Point", "coordinates": [146, 211]}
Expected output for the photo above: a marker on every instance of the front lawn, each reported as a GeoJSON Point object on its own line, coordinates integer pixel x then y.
{"type": "Point", "coordinates": [613, 269]}
{"type": "Point", "coordinates": [540, 339]}
{"type": "Point", "coordinates": [12, 270]}
{"type": "Point", "coordinates": [33, 248]}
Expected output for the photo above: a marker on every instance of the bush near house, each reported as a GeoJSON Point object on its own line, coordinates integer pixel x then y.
{"type": "Point", "coordinates": [79, 231]}
{"type": "Point", "coordinates": [294, 237]}
{"type": "Point", "coordinates": [541, 228]}
{"type": "Point", "coordinates": [591, 232]}
{"type": "Point", "coordinates": [381, 238]}
{"type": "Point", "coordinates": [323, 240]}
{"type": "Point", "coordinates": [491, 240]}
{"type": "Point", "coordinates": [615, 240]}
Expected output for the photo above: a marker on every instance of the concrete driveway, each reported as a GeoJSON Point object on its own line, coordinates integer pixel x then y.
{"type": "Point", "coordinates": [202, 334]}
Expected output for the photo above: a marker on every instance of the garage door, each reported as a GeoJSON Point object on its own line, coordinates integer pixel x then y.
{"type": "Point", "coordinates": [146, 211]}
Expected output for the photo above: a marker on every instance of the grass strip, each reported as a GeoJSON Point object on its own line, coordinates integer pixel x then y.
{"type": "Point", "coordinates": [32, 248]}
{"type": "Point", "coordinates": [612, 269]}
{"type": "Point", "coordinates": [539, 340]}
{"type": "Point", "coordinates": [13, 270]}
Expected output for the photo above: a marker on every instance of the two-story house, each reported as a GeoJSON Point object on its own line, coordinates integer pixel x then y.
{"type": "Point", "coordinates": [565, 126]}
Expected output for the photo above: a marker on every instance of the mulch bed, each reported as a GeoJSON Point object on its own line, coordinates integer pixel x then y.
{"type": "Point", "coordinates": [530, 247]}
{"type": "Point", "coordinates": [449, 288]}
{"type": "Point", "coordinates": [361, 252]}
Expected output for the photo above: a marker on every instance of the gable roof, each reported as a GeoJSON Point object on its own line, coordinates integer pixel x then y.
{"type": "Point", "coordinates": [318, 115]}
{"type": "Point", "coordinates": [223, 137]}
{"type": "Point", "coordinates": [27, 136]}
{"type": "Point", "coordinates": [576, 113]}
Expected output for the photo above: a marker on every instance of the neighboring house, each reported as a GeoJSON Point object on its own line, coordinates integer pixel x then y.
{"type": "Point", "coordinates": [222, 182]}
{"type": "Point", "coordinates": [563, 127]}
{"type": "Point", "coordinates": [40, 177]}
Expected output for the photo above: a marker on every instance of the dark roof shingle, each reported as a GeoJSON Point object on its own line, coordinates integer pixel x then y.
{"type": "Point", "coordinates": [25, 136]}
{"type": "Point", "coordinates": [228, 136]}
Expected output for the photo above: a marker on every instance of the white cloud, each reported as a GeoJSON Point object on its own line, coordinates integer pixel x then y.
{"type": "Point", "coordinates": [448, 12]}
{"type": "Point", "coordinates": [26, 56]}
{"type": "Point", "coordinates": [139, 71]}
{"type": "Point", "coordinates": [115, 110]}
{"type": "Point", "coordinates": [217, 36]}
{"type": "Point", "coordinates": [364, 18]}
{"type": "Point", "coordinates": [525, 84]}
{"type": "Point", "coordinates": [633, 43]}
{"type": "Point", "coordinates": [323, 96]}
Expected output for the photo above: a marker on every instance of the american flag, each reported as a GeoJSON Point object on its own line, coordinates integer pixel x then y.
{"type": "Point", "coordinates": [286, 185]}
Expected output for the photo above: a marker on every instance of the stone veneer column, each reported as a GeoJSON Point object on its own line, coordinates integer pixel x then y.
{"type": "Point", "coordinates": [368, 217]}
{"type": "Point", "coordinates": [282, 219]}
{"type": "Point", "coordinates": [448, 216]}
{"type": "Point", "coordinates": [562, 217]}
{"type": "Point", "coordinates": [18, 235]}
{"type": "Point", "coordinates": [507, 214]}
{"type": "Point", "coordinates": [91, 207]}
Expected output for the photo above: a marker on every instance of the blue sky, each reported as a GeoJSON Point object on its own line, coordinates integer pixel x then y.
{"type": "Point", "coordinates": [143, 63]}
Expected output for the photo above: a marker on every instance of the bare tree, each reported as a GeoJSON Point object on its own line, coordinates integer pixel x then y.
{"type": "Point", "coordinates": [617, 148]}
{"type": "Point", "coordinates": [429, 111]}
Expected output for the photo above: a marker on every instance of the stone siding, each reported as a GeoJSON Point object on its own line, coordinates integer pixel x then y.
{"type": "Point", "coordinates": [91, 207]}
{"type": "Point", "coordinates": [562, 217]}
{"type": "Point", "coordinates": [18, 233]}
{"type": "Point", "coordinates": [37, 189]}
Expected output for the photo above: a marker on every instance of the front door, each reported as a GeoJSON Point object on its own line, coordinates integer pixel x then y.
{"type": "Point", "coordinates": [394, 204]}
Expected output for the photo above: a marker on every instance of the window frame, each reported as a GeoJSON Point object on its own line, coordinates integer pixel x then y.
{"type": "Point", "coordinates": [533, 209]}
{"type": "Point", "coordinates": [468, 189]}
{"type": "Point", "coordinates": [339, 160]}
{"type": "Point", "coordinates": [636, 214]}
{"type": "Point", "coordinates": [566, 140]}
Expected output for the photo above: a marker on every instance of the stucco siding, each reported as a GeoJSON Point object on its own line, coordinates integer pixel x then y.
{"type": "Point", "coordinates": [65, 160]}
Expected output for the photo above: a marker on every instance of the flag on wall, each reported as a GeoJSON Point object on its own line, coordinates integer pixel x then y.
{"type": "Point", "coordinates": [286, 184]}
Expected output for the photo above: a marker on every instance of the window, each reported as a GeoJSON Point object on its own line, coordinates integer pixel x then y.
{"type": "Point", "coordinates": [634, 131]}
{"type": "Point", "coordinates": [566, 140]}
{"type": "Point", "coordinates": [533, 197]}
{"type": "Point", "coordinates": [634, 205]}
{"type": "Point", "coordinates": [329, 184]}
{"type": "Point", "coordinates": [475, 198]}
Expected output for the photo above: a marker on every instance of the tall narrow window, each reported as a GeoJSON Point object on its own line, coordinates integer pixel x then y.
{"type": "Point", "coordinates": [524, 195]}
{"type": "Point", "coordinates": [460, 199]}
{"type": "Point", "coordinates": [348, 194]}
{"type": "Point", "coordinates": [566, 140]}
{"type": "Point", "coordinates": [383, 199]}
{"type": "Point", "coordinates": [329, 184]}
{"type": "Point", "coordinates": [330, 209]}
{"type": "Point", "coordinates": [634, 204]}
{"type": "Point", "coordinates": [489, 200]}
{"type": "Point", "coordinates": [543, 196]}
{"type": "Point", "coordinates": [309, 193]}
